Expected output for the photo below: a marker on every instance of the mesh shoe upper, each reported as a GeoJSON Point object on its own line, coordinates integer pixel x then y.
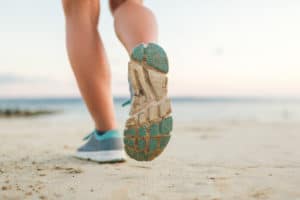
{"type": "Point", "coordinates": [111, 140]}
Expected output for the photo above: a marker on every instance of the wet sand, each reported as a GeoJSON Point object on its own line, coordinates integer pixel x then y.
{"type": "Point", "coordinates": [211, 161]}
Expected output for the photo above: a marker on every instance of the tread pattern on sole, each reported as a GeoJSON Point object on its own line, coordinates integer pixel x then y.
{"type": "Point", "coordinates": [148, 129]}
{"type": "Point", "coordinates": [154, 56]}
{"type": "Point", "coordinates": [147, 142]}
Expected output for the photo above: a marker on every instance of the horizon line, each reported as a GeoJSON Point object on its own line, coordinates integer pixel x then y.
{"type": "Point", "coordinates": [179, 97]}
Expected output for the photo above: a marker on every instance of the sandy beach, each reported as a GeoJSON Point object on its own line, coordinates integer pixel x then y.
{"type": "Point", "coordinates": [213, 161]}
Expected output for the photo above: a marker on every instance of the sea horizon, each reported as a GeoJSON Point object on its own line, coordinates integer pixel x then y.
{"type": "Point", "coordinates": [205, 98]}
{"type": "Point", "coordinates": [186, 109]}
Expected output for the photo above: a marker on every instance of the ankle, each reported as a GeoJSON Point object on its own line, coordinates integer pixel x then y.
{"type": "Point", "coordinates": [107, 127]}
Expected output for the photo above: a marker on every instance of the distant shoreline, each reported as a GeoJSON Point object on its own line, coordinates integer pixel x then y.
{"type": "Point", "coordinates": [12, 113]}
{"type": "Point", "coordinates": [174, 98]}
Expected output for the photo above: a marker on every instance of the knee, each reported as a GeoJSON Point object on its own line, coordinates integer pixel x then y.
{"type": "Point", "coordinates": [114, 4]}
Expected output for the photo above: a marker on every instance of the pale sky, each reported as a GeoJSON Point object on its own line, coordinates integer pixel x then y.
{"type": "Point", "coordinates": [216, 48]}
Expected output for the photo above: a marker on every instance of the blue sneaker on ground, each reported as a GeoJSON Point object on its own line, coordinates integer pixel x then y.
{"type": "Point", "coordinates": [106, 147]}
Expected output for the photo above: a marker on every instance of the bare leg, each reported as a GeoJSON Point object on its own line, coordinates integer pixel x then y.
{"type": "Point", "coordinates": [134, 23]}
{"type": "Point", "coordinates": [89, 61]}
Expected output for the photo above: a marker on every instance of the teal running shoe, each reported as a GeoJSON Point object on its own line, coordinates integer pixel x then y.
{"type": "Point", "coordinates": [148, 127]}
{"type": "Point", "coordinates": [107, 147]}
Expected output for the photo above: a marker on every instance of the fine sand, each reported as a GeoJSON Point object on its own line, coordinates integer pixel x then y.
{"type": "Point", "coordinates": [210, 161]}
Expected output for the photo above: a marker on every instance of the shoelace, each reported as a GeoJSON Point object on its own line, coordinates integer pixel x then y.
{"type": "Point", "coordinates": [126, 103]}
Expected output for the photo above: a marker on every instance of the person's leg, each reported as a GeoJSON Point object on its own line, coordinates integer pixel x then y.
{"type": "Point", "coordinates": [88, 59]}
{"type": "Point", "coordinates": [147, 130]}
{"type": "Point", "coordinates": [134, 23]}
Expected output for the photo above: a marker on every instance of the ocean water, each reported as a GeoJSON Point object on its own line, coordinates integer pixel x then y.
{"type": "Point", "coordinates": [185, 110]}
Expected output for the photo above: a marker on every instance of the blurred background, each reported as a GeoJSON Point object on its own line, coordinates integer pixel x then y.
{"type": "Point", "coordinates": [216, 48]}
{"type": "Point", "coordinates": [220, 52]}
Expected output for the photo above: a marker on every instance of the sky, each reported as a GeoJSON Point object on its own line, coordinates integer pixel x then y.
{"type": "Point", "coordinates": [215, 48]}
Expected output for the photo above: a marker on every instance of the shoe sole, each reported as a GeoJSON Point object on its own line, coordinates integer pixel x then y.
{"type": "Point", "coordinates": [148, 128]}
{"type": "Point", "coordinates": [102, 156]}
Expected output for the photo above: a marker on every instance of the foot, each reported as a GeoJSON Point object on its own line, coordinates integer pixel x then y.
{"type": "Point", "coordinates": [107, 147]}
{"type": "Point", "coordinates": [149, 125]}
